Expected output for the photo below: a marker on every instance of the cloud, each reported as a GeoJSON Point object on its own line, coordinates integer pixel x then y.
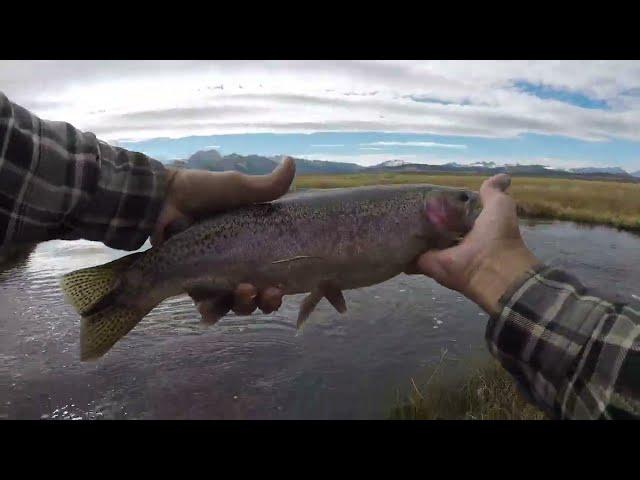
{"type": "Point", "coordinates": [417, 144]}
{"type": "Point", "coordinates": [368, 159]}
{"type": "Point", "coordinates": [147, 99]}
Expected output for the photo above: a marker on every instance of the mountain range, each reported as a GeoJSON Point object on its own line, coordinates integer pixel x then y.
{"type": "Point", "coordinates": [258, 165]}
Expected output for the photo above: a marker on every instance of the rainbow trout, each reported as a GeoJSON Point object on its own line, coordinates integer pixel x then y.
{"type": "Point", "coordinates": [318, 242]}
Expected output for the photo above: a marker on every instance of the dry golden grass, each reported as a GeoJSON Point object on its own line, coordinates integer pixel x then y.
{"type": "Point", "coordinates": [615, 204]}
{"type": "Point", "coordinates": [487, 392]}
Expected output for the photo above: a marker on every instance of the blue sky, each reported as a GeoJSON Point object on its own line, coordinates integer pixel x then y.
{"type": "Point", "coordinates": [558, 113]}
{"type": "Point", "coordinates": [372, 147]}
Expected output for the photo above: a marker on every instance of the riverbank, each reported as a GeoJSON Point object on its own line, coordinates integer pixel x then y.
{"type": "Point", "coordinates": [613, 204]}
{"type": "Point", "coordinates": [485, 392]}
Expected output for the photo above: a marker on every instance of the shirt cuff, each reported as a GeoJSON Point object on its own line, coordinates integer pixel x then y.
{"type": "Point", "coordinates": [532, 339]}
{"type": "Point", "coordinates": [129, 193]}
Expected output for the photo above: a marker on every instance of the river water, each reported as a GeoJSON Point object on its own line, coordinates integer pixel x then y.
{"type": "Point", "coordinates": [352, 366]}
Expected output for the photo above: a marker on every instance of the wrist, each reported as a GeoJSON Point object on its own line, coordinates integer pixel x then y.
{"type": "Point", "coordinates": [497, 272]}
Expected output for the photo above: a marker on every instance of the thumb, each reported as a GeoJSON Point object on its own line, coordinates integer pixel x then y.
{"type": "Point", "coordinates": [264, 188]}
{"type": "Point", "coordinates": [198, 193]}
{"type": "Point", "coordinates": [493, 186]}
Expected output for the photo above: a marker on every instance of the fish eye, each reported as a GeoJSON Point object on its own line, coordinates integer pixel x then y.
{"type": "Point", "coordinates": [464, 197]}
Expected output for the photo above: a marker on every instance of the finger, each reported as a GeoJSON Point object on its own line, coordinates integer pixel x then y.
{"type": "Point", "coordinates": [245, 301]}
{"type": "Point", "coordinates": [494, 186]}
{"type": "Point", "coordinates": [168, 214]}
{"type": "Point", "coordinates": [173, 227]}
{"type": "Point", "coordinates": [213, 309]}
{"type": "Point", "coordinates": [270, 299]}
{"type": "Point", "coordinates": [412, 269]}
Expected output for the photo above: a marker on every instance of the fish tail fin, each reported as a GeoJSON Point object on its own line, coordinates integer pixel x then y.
{"type": "Point", "coordinates": [100, 331]}
{"type": "Point", "coordinates": [94, 292]}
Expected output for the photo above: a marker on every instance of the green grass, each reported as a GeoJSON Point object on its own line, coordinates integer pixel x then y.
{"type": "Point", "coordinates": [614, 204]}
{"type": "Point", "coordinates": [486, 392]}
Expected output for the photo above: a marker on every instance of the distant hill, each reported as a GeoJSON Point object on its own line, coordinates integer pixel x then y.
{"type": "Point", "coordinates": [322, 166]}
{"type": "Point", "coordinates": [611, 170]}
{"type": "Point", "coordinates": [258, 165]}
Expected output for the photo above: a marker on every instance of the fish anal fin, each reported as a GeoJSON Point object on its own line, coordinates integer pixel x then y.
{"type": "Point", "coordinates": [335, 297]}
{"type": "Point", "coordinates": [308, 305]}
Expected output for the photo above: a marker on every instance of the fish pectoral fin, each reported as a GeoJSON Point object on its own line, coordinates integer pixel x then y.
{"type": "Point", "coordinates": [335, 297]}
{"type": "Point", "coordinates": [308, 305]}
{"type": "Point", "coordinates": [293, 259]}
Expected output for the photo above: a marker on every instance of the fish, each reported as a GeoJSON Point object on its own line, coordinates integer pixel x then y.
{"type": "Point", "coordinates": [318, 242]}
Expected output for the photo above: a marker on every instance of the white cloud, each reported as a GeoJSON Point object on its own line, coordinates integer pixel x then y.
{"type": "Point", "coordinates": [368, 159]}
{"type": "Point", "coordinates": [145, 99]}
{"type": "Point", "coordinates": [211, 147]}
{"type": "Point", "coordinates": [416, 144]}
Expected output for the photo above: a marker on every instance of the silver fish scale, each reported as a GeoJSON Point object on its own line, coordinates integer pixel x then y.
{"type": "Point", "coordinates": [363, 232]}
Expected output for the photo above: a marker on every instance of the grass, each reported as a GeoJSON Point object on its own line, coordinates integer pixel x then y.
{"type": "Point", "coordinates": [486, 392]}
{"type": "Point", "coordinates": [614, 204]}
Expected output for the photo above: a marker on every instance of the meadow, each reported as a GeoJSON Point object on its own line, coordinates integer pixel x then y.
{"type": "Point", "coordinates": [614, 204]}
{"type": "Point", "coordinates": [487, 391]}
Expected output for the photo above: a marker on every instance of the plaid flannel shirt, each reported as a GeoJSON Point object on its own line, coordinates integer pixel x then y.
{"type": "Point", "coordinates": [59, 182]}
{"type": "Point", "coordinates": [574, 354]}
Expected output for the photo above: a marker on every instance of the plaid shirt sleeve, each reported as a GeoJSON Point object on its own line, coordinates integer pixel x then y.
{"type": "Point", "coordinates": [59, 182]}
{"type": "Point", "coordinates": [571, 352]}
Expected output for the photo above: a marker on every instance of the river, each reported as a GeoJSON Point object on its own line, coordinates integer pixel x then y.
{"type": "Point", "coordinates": [352, 366]}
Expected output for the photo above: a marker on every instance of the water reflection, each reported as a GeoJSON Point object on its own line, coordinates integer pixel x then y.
{"type": "Point", "coordinates": [341, 366]}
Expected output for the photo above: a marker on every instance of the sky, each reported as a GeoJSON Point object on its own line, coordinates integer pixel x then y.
{"type": "Point", "coordinates": [558, 113]}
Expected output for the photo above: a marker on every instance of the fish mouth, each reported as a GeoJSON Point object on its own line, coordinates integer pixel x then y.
{"type": "Point", "coordinates": [473, 210]}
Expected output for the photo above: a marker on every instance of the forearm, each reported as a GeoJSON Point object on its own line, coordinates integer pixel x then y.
{"type": "Point", "coordinates": [58, 182]}
{"type": "Point", "coordinates": [573, 353]}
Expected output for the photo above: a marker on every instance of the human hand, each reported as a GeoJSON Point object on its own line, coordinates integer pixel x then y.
{"type": "Point", "coordinates": [195, 194]}
{"type": "Point", "coordinates": [492, 255]}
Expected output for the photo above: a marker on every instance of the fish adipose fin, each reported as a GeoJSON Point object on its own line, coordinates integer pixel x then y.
{"type": "Point", "coordinates": [94, 293]}
{"type": "Point", "coordinates": [329, 291]}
